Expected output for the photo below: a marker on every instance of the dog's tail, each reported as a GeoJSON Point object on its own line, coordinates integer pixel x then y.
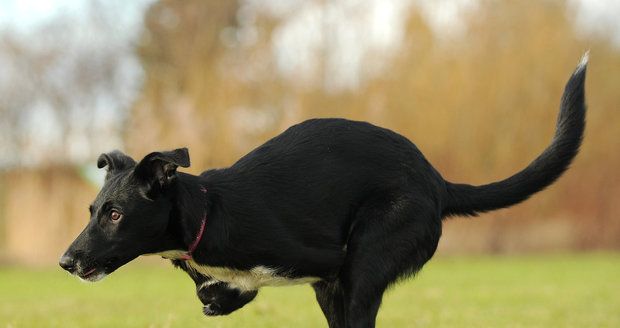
{"type": "Point", "coordinates": [464, 199]}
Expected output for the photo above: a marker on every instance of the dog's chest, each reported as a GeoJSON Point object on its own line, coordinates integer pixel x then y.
{"type": "Point", "coordinates": [257, 277]}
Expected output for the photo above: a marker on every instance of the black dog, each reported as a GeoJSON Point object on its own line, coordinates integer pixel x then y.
{"type": "Point", "coordinates": [346, 206]}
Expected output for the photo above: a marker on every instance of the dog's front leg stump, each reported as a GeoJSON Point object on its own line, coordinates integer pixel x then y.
{"type": "Point", "coordinates": [219, 298]}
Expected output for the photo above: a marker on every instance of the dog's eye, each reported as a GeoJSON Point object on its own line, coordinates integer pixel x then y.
{"type": "Point", "coordinates": [115, 216]}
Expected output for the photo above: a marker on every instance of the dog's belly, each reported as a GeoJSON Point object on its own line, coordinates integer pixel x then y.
{"type": "Point", "coordinates": [259, 276]}
{"type": "Point", "coordinates": [246, 280]}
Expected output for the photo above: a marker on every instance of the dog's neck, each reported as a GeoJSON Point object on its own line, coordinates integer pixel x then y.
{"type": "Point", "coordinates": [189, 210]}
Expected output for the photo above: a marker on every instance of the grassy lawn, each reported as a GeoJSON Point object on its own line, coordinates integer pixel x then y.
{"type": "Point", "coordinates": [534, 291]}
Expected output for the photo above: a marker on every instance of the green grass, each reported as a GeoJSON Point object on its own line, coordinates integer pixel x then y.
{"type": "Point", "coordinates": [540, 291]}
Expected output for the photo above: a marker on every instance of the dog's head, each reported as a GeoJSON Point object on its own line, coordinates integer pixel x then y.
{"type": "Point", "coordinates": [129, 216]}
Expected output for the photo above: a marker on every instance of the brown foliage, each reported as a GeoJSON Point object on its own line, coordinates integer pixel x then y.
{"type": "Point", "coordinates": [480, 107]}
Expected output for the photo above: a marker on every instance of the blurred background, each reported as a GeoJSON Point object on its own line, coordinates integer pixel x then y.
{"type": "Point", "coordinates": [474, 83]}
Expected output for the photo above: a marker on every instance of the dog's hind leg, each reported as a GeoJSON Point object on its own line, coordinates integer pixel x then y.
{"type": "Point", "coordinates": [329, 294]}
{"type": "Point", "coordinates": [392, 238]}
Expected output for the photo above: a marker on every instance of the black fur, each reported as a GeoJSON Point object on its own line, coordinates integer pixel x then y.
{"type": "Point", "coordinates": [354, 205]}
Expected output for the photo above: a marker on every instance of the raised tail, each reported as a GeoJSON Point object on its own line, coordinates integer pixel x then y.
{"type": "Point", "coordinates": [464, 199]}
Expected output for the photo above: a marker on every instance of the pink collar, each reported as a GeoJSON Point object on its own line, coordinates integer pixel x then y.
{"type": "Point", "coordinates": [192, 247]}
{"type": "Point", "coordinates": [194, 244]}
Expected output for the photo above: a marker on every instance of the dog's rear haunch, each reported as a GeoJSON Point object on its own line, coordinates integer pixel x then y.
{"type": "Point", "coordinates": [346, 206]}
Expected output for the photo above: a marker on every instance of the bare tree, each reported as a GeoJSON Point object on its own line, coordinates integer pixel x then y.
{"type": "Point", "coordinates": [65, 85]}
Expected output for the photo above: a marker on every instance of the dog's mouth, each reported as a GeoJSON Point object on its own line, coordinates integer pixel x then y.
{"type": "Point", "coordinates": [87, 273]}
{"type": "Point", "coordinates": [91, 270]}
{"type": "Point", "coordinates": [91, 274]}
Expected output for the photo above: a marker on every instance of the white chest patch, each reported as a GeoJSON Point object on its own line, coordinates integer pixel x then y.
{"type": "Point", "coordinates": [259, 276]}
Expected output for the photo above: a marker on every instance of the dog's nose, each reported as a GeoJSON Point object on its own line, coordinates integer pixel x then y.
{"type": "Point", "coordinates": [67, 262]}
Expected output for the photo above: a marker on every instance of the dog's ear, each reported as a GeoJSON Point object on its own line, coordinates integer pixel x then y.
{"type": "Point", "coordinates": [115, 161]}
{"type": "Point", "coordinates": [159, 168]}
